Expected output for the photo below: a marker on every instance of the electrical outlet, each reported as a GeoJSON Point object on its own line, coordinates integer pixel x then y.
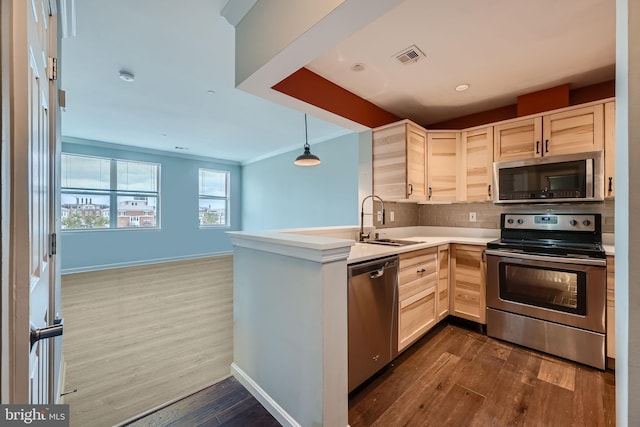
{"type": "Point", "coordinates": [393, 216]}
{"type": "Point", "coordinates": [379, 216]}
{"type": "Point", "coordinates": [472, 217]}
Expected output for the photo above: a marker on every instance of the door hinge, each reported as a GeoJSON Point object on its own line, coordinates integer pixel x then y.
{"type": "Point", "coordinates": [52, 68]}
{"type": "Point", "coordinates": [53, 244]}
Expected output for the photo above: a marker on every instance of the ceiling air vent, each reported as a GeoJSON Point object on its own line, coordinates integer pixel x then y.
{"type": "Point", "coordinates": [410, 55]}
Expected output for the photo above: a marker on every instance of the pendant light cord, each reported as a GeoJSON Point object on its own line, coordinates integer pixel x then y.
{"type": "Point", "coordinates": [306, 134]}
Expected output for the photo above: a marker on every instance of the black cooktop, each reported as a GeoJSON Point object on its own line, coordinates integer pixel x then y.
{"type": "Point", "coordinates": [559, 234]}
{"type": "Point", "coordinates": [547, 247]}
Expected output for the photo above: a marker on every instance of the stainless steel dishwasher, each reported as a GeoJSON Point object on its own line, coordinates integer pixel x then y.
{"type": "Point", "coordinates": [373, 317]}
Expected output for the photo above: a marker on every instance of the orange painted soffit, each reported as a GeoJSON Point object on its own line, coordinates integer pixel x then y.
{"type": "Point", "coordinates": [314, 89]}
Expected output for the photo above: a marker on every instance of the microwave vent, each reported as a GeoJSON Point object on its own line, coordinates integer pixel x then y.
{"type": "Point", "coordinates": [410, 55]}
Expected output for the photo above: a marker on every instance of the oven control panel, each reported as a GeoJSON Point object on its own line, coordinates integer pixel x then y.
{"type": "Point", "coordinates": [560, 222]}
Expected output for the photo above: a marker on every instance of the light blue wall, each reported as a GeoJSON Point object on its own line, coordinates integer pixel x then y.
{"type": "Point", "coordinates": [179, 237]}
{"type": "Point", "coordinates": [278, 194]}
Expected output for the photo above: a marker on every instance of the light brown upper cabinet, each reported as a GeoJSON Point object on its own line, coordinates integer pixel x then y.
{"type": "Point", "coordinates": [573, 131]}
{"type": "Point", "coordinates": [442, 165]}
{"type": "Point", "coordinates": [517, 140]}
{"type": "Point", "coordinates": [565, 132]}
{"type": "Point", "coordinates": [399, 161]}
{"type": "Point", "coordinates": [477, 164]}
{"type": "Point", "coordinates": [609, 149]}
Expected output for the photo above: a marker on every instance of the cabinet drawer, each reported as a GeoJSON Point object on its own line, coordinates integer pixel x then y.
{"type": "Point", "coordinates": [427, 257]}
{"type": "Point", "coordinates": [417, 316]}
{"type": "Point", "coordinates": [415, 272]}
{"type": "Point", "coordinates": [409, 288]}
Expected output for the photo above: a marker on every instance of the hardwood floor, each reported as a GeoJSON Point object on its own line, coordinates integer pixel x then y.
{"type": "Point", "coordinates": [457, 377]}
{"type": "Point", "coordinates": [136, 338]}
{"type": "Point", "coordinates": [224, 404]}
{"type": "Point", "coordinates": [451, 377]}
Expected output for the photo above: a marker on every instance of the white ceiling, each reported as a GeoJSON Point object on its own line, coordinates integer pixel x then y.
{"type": "Point", "coordinates": [502, 48]}
{"type": "Point", "coordinates": [178, 52]}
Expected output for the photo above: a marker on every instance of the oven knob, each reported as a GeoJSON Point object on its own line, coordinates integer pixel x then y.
{"type": "Point", "coordinates": [510, 220]}
{"type": "Point", "coordinates": [573, 222]}
{"type": "Point", "coordinates": [520, 221]}
{"type": "Point", "coordinates": [586, 222]}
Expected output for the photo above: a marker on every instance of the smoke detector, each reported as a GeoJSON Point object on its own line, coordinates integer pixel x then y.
{"type": "Point", "coordinates": [410, 55]}
{"type": "Point", "coordinates": [126, 76]}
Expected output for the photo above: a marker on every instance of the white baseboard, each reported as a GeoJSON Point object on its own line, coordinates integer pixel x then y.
{"type": "Point", "coordinates": [91, 268]}
{"type": "Point", "coordinates": [62, 374]}
{"type": "Point", "coordinates": [261, 396]}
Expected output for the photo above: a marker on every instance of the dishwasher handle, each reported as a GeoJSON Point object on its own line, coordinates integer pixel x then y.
{"type": "Point", "coordinates": [377, 274]}
{"type": "Point", "coordinates": [374, 269]}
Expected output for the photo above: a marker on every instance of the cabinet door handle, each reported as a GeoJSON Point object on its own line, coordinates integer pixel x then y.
{"type": "Point", "coordinates": [537, 147]}
{"type": "Point", "coordinates": [489, 190]}
{"type": "Point", "coordinates": [610, 184]}
{"type": "Point", "coordinates": [421, 271]}
{"type": "Point", "coordinates": [483, 254]}
{"type": "Point", "coordinates": [546, 146]}
{"type": "Point", "coordinates": [410, 189]}
{"type": "Point", "coordinates": [430, 192]}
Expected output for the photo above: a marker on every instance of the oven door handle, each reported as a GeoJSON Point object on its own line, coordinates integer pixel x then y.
{"type": "Point", "coordinates": [563, 260]}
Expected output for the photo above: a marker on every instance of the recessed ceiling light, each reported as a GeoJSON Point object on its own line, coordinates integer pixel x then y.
{"type": "Point", "coordinates": [462, 87]}
{"type": "Point", "coordinates": [358, 66]}
{"type": "Point", "coordinates": [126, 76]}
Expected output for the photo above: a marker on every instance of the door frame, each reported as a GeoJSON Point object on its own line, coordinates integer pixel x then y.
{"type": "Point", "coordinates": [14, 224]}
{"type": "Point", "coordinates": [5, 45]}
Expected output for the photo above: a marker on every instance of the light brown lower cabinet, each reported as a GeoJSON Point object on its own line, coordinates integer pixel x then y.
{"type": "Point", "coordinates": [443, 281]}
{"type": "Point", "coordinates": [468, 298]}
{"type": "Point", "coordinates": [611, 308]}
{"type": "Point", "coordinates": [417, 302]}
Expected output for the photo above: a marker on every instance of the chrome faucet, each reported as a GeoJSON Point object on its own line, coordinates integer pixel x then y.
{"type": "Point", "coordinates": [363, 236]}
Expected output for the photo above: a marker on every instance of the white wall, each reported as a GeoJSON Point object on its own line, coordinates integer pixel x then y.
{"type": "Point", "coordinates": [278, 194]}
{"type": "Point", "coordinates": [290, 326]}
{"type": "Point", "coordinates": [627, 236]}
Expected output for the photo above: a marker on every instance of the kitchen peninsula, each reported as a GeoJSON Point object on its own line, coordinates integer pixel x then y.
{"type": "Point", "coordinates": [290, 313]}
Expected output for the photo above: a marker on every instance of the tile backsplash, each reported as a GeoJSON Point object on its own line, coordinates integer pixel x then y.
{"type": "Point", "coordinates": [487, 213]}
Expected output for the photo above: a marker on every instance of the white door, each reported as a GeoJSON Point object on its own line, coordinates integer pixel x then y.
{"type": "Point", "coordinates": [30, 286]}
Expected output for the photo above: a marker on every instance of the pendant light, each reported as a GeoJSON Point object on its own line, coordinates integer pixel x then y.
{"type": "Point", "coordinates": [306, 158]}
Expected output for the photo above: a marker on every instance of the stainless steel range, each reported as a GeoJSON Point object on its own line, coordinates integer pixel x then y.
{"type": "Point", "coordinates": [546, 285]}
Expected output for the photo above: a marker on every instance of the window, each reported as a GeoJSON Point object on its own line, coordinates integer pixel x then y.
{"type": "Point", "coordinates": [213, 209]}
{"type": "Point", "coordinates": [108, 193]}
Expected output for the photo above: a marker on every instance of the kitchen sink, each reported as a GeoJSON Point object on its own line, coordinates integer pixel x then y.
{"type": "Point", "coordinates": [391, 242]}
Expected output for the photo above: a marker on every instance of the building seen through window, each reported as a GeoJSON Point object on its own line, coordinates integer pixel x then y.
{"type": "Point", "coordinates": [213, 207]}
{"type": "Point", "coordinates": [101, 193]}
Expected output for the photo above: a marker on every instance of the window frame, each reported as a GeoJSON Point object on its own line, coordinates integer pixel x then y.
{"type": "Point", "coordinates": [114, 194]}
{"type": "Point", "coordinates": [226, 198]}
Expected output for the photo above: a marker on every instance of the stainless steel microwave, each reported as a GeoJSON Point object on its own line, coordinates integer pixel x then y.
{"type": "Point", "coordinates": [566, 178]}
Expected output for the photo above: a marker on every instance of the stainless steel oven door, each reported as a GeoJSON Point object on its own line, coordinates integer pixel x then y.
{"type": "Point", "coordinates": [569, 291]}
